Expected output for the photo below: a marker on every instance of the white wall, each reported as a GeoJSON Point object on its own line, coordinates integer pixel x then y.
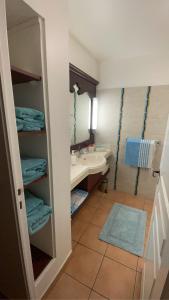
{"type": "Point", "coordinates": [135, 71]}
{"type": "Point", "coordinates": [82, 58]}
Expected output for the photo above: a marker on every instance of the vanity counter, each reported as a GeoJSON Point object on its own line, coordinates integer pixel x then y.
{"type": "Point", "coordinates": [87, 164]}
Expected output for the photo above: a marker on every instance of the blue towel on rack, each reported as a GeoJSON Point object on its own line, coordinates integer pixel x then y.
{"type": "Point", "coordinates": [32, 202]}
{"type": "Point", "coordinates": [139, 152]}
{"type": "Point", "coordinates": [31, 119]}
{"type": "Point", "coordinates": [32, 169]}
{"type": "Point", "coordinates": [132, 151]}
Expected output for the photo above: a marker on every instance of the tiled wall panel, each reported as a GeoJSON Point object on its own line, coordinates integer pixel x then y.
{"type": "Point", "coordinates": [155, 129]}
{"type": "Point", "coordinates": [132, 125]}
{"type": "Point", "coordinates": [108, 122]}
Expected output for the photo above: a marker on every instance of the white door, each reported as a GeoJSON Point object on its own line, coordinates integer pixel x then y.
{"type": "Point", "coordinates": [156, 266]}
{"type": "Point", "coordinates": [11, 136]}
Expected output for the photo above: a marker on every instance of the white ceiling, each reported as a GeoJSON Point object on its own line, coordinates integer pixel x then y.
{"type": "Point", "coordinates": [121, 28]}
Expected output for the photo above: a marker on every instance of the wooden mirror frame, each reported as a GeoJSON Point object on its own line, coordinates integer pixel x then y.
{"type": "Point", "coordinates": [86, 84]}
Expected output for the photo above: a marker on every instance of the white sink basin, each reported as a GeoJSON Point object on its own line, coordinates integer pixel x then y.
{"type": "Point", "coordinates": [92, 159]}
{"type": "Point", "coordinates": [95, 162]}
{"type": "Point", "coordinates": [90, 163]}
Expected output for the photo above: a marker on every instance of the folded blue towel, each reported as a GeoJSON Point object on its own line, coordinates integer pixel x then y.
{"type": "Point", "coordinates": [77, 198]}
{"type": "Point", "coordinates": [19, 124]}
{"type": "Point", "coordinates": [132, 151]}
{"type": "Point", "coordinates": [26, 113]}
{"type": "Point", "coordinates": [31, 119]}
{"type": "Point", "coordinates": [38, 218]}
{"type": "Point", "coordinates": [32, 202]}
{"type": "Point", "coordinates": [32, 169]}
{"type": "Point", "coordinates": [30, 126]}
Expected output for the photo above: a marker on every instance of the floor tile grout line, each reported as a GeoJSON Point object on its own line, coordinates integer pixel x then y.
{"type": "Point", "coordinates": [134, 286]}
{"type": "Point", "coordinates": [84, 232]}
{"type": "Point", "coordinates": [97, 273]}
{"type": "Point", "coordinates": [105, 256]}
{"type": "Point", "coordinates": [137, 263]}
{"type": "Point", "coordinates": [77, 280]}
{"type": "Point", "coordinates": [98, 294]}
{"type": "Point", "coordinates": [90, 249]}
{"type": "Point", "coordinates": [80, 243]}
{"type": "Point", "coordinates": [121, 263]}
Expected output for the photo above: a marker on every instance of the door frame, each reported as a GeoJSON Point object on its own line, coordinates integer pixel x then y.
{"type": "Point", "coordinates": [9, 110]}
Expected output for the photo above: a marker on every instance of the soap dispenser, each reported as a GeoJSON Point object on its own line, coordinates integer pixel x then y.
{"type": "Point", "coordinates": [73, 158]}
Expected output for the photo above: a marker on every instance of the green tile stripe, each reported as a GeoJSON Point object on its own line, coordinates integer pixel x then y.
{"type": "Point", "coordinates": [119, 137]}
{"type": "Point", "coordinates": [147, 102]}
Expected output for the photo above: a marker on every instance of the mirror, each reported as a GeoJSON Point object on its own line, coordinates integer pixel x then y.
{"type": "Point", "coordinates": [82, 92]}
{"type": "Point", "coordinates": [80, 117]}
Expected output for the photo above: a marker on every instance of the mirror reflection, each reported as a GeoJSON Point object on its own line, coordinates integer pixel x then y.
{"type": "Point", "coordinates": [80, 117]}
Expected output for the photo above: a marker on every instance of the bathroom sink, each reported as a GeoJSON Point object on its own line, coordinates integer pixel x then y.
{"type": "Point", "coordinates": [94, 161]}
{"type": "Point", "coordinates": [89, 163]}
{"type": "Point", "coordinates": [91, 159]}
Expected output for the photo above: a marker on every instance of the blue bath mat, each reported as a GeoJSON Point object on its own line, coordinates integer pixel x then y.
{"type": "Point", "coordinates": [125, 228]}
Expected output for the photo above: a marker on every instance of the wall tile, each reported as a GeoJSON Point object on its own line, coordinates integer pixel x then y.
{"type": "Point", "coordinates": [132, 124]}
{"type": "Point", "coordinates": [155, 129]}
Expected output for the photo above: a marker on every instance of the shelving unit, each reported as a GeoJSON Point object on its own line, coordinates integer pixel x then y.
{"type": "Point", "coordinates": [41, 242]}
{"type": "Point", "coordinates": [32, 96]}
{"type": "Point", "coordinates": [28, 75]}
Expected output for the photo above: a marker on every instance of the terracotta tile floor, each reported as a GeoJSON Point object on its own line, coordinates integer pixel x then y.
{"type": "Point", "coordinates": [97, 270]}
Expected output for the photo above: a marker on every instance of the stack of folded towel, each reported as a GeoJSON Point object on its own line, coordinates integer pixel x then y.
{"type": "Point", "coordinates": [29, 119]}
{"type": "Point", "coordinates": [77, 198]}
{"type": "Point", "coordinates": [32, 169]}
{"type": "Point", "coordinates": [37, 212]}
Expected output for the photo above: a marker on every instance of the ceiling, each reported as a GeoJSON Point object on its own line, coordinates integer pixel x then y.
{"type": "Point", "coordinates": [18, 12]}
{"type": "Point", "coordinates": [121, 28]}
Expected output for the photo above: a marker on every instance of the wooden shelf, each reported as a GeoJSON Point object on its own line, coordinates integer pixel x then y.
{"type": "Point", "coordinates": [21, 76]}
{"type": "Point", "coordinates": [32, 133]}
{"type": "Point", "coordinates": [36, 181]}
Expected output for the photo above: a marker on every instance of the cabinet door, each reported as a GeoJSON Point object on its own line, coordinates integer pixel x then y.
{"type": "Point", "coordinates": [149, 272]}
{"type": "Point", "coordinates": [13, 282]}
{"type": "Point", "coordinates": [16, 278]}
{"type": "Point", "coordinates": [159, 247]}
